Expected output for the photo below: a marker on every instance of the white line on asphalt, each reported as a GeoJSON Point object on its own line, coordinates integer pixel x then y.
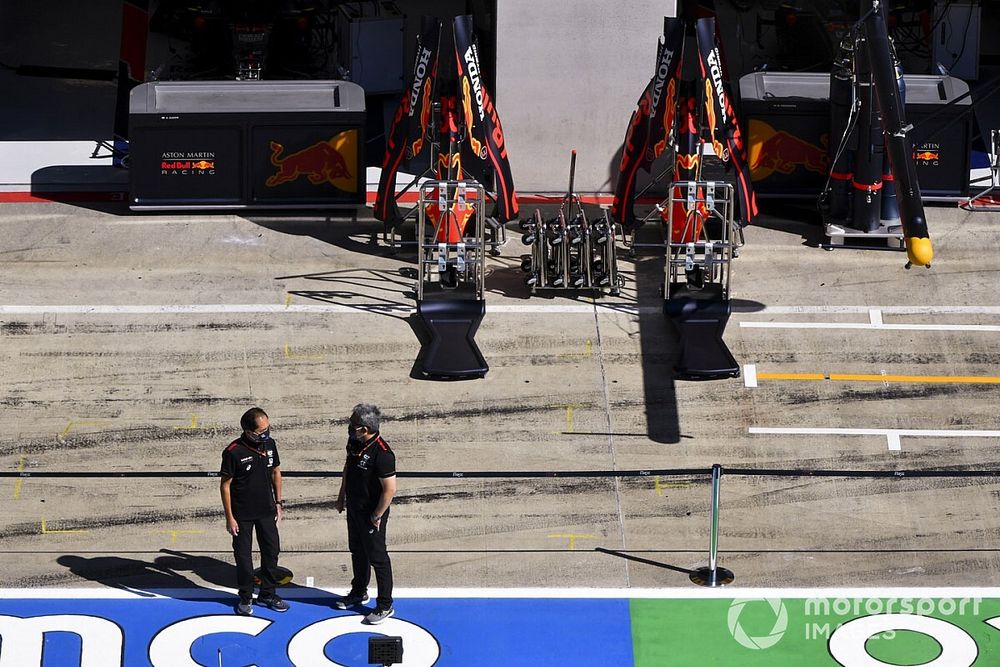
{"type": "Point", "coordinates": [750, 375]}
{"type": "Point", "coordinates": [892, 435]}
{"type": "Point", "coordinates": [732, 591]}
{"type": "Point", "coordinates": [892, 310]}
{"type": "Point", "coordinates": [624, 308]}
{"type": "Point", "coordinates": [866, 325]}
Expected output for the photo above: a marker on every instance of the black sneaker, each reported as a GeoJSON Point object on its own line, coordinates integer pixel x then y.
{"type": "Point", "coordinates": [379, 615]}
{"type": "Point", "coordinates": [351, 600]}
{"type": "Point", "coordinates": [244, 608]}
{"type": "Point", "coordinates": [273, 602]}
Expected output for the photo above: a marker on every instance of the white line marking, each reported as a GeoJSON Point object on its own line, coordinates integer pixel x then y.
{"type": "Point", "coordinates": [310, 582]}
{"type": "Point", "coordinates": [865, 325]}
{"type": "Point", "coordinates": [892, 435]}
{"type": "Point", "coordinates": [875, 317]}
{"type": "Point", "coordinates": [604, 308]}
{"type": "Point", "coordinates": [892, 310]}
{"type": "Point", "coordinates": [732, 591]}
{"type": "Point", "coordinates": [750, 375]}
{"type": "Point", "coordinates": [328, 308]}
{"type": "Point", "coordinates": [928, 433]}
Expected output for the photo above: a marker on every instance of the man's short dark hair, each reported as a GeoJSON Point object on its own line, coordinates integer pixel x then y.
{"type": "Point", "coordinates": [248, 422]}
{"type": "Point", "coordinates": [368, 416]}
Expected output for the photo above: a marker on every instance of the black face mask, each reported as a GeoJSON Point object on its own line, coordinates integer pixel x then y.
{"type": "Point", "coordinates": [258, 439]}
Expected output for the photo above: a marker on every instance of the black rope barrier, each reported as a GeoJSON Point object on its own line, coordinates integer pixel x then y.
{"type": "Point", "coordinates": [514, 474]}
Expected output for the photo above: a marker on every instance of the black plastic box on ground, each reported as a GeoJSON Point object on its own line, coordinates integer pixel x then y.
{"type": "Point", "coordinates": [246, 144]}
{"type": "Point", "coordinates": [787, 119]}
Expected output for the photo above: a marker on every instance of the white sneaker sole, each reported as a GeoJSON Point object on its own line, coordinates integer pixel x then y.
{"type": "Point", "coordinates": [380, 619]}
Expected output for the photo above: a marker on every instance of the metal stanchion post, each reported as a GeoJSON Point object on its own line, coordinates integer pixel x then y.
{"type": "Point", "coordinates": [713, 575]}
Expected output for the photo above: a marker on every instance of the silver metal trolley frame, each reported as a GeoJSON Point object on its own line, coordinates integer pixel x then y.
{"type": "Point", "coordinates": [697, 277]}
{"type": "Point", "coordinates": [704, 256]}
{"type": "Point", "coordinates": [465, 260]}
{"type": "Point", "coordinates": [991, 194]}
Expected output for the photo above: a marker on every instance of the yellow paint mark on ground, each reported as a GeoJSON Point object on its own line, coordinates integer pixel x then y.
{"type": "Point", "coordinates": [190, 427]}
{"type": "Point", "coordinates": [848, 377]}
{"type": "Point", "coordinates": [588, 351]}
{"type": "Point", "coordinates": [174, 533]}
{"type": "Point", "coordinates": [288, 299]}
{"type": "Point", "coordinates": [292, 355]}
{"type": "Point", "coordinates": [659, 486]}
{"type": "Point", "coordinates": [17, 484]}
{"type": "Point", "coordinates": [47, 531]}
{"type": "Point", "coordinates": [569, 418]}
{"type": "Point", "coordinates": [573, 537]}
{"type": "Point", "coordinates": [75, 424]}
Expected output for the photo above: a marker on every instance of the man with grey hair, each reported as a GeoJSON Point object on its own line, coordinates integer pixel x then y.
{"type": "Point", "coordinates": [366, 490]}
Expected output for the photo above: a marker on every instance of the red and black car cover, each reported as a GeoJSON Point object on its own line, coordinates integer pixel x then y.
{"type": "Point", "coordinates": [723, 126]}
{"type": "Point", "coordinates": [650, 127]}
{"type": "Point", "coordinates": [483, 151]}
{"type": "Point", "coordinates": [408, 136]}
{"type": "Point", "coordinates": [483, 148]}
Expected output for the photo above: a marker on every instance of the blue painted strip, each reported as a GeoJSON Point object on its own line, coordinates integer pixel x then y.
{"type": "Point", "coordinates": [459, 631]}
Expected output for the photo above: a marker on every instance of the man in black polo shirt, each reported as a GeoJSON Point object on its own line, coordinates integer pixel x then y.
{"type": "Point", "coordinates": [366, 490]}
{"type": "Point", "coordinates": [251, 497]}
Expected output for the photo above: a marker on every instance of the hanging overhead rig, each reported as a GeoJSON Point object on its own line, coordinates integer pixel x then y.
{"type": "Point", "coordinates": [451, 208]}
{"type": "Point", "coordinates": [872, 179]}
{"type": "Point", "coordinates": [686, 110]}
{"type": "Point", "coordinates": [453, 111]}
{"type": "Point", "coordinates": [570, 251]}
{"type": "Point", "coordinates": [683, 110]}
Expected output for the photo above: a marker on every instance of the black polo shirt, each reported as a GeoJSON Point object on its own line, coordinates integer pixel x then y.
{"type": "Point", "coordinates": [250, 465]}
{"type": "Point", "coordinates": [367, 465]}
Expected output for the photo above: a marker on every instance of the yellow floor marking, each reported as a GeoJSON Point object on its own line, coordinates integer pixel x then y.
{"type": "Point", "coordinates": [573, 537]}
{"type": "Point", "coordinates": [291, 355]}
{"type": "Point", "coordinates": [74, 424]}
{"type": "Point", "coordinates": [588, 351]}
{"type": "Point", "coordinates": [17, 484]}
{"type": "Point", "coordinates": [848, 377]}
{"type": "Point", "coordinates": [46, 531]}
{"type": "Point", "coordinates": [569, 418]}
{"type": "Point", "coordinates": [190, 427]}
{"type": "Point", "coordinates": [288, 300]}
{"type": "Point", "coordinates": [174, 533]}
{"type": "Point", "coordinates": [658, 486]}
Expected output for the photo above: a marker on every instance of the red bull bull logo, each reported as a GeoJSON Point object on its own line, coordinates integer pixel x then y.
{"type": "Point", "coordinates": [322, 162]}
{"type": "Point", "coordinates": [927, 156]}
{"type": "Point", "coordinates": [776, 151]}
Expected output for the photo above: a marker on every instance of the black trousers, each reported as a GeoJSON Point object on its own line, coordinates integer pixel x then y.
{"type": "Point", "coordinates": [270, 547]}
{"type": "Point", "coordinates": [368, 552]}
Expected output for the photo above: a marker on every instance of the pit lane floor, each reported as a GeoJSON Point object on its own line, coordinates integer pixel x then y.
{"type": "Point", "coordinates": [133, 343]}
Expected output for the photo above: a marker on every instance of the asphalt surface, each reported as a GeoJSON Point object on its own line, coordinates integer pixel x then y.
{"type": "Point", "coordinates": [175, 324]}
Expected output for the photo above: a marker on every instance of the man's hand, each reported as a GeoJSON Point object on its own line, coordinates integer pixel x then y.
{"type": "Point", "coordinates": [338, 504]}
{"type": "Point", "coordinates": [279, 512]}
{"type": "Point", "coordinates": [232, 527]}
{"type": "Point", "coordinates": [376, 519]}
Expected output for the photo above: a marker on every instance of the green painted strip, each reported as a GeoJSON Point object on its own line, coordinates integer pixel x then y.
{"type": "Point", "coordinates": [861, 632]}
